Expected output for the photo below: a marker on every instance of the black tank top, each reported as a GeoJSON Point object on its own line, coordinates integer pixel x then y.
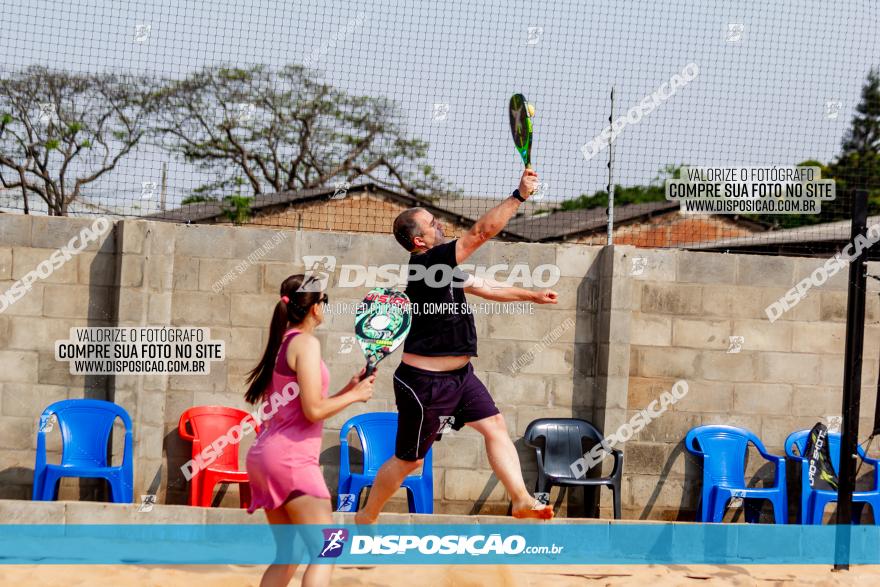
{"type": "Point", "coordinates": [442, 323]}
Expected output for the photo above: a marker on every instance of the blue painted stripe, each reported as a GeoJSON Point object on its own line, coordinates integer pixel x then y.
{"type": "Point", "coordinates": [562, 544]}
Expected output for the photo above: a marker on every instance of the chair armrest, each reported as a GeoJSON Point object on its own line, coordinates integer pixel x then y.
{"type": "Point", "coordinates": [798, 461]}
{"type": "Point", "coordinates": [873, 462]}
{"type": "Point", "coordinates": [767, 456]}
{"type": "Point", "coordinates": [428, 464]}
{"type": "Point", "coordinates": [539, 457]}
{"type": "Point", "coordinates": [253, 422]}
{"type": "Point", "coordinates": [780, 463]}
{"type": "Point", "coordinates": [40, 461]}
{"type": "Point", "coordinates": [127, 452]}
{"type": "Point", "coordinates": [618, 462]}
{"type": "Point", "coordinates": [780, 471]}
{"type": "Point", "coordinates": [689, 443]}
{"type": "Point", "coordinates": [876, 464]}
{"type": "Point", "coordinates": [344, 464]}
{"type": "Point", "coordinates": [182, 431]}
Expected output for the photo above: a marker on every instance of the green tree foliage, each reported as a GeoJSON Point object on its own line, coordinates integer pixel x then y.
{"type": "Point", "coordinates": [858, 167]}
{"type": "Point", "coordinates": [637, 194]}
{"type": "Point", "coordinates": [237, 209]}
{"type": "Point", "coordinates": [61, 131]}
{"type": "Point", "coordinates": [261, 130]}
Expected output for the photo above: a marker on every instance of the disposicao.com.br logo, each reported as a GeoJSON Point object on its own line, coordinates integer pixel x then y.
{"type": "Point", "coordinates": [320, 267]}
{"type": "Point", "coordinates": [334, 542]}
{"type": "Point", "coordinates": [493, 544]}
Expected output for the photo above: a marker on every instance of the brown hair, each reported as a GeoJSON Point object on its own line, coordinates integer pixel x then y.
{"type": "Point", "coordinates": [293, 311]}
{"type": "Point", "coordinates": [406, 228]}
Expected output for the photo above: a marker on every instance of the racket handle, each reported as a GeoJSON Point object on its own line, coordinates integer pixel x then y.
{"type": "Point", "coordinates": [369, 371]}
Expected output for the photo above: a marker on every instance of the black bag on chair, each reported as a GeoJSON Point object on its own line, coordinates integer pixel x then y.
{"type": "Point", "coordinates": [822, 475]}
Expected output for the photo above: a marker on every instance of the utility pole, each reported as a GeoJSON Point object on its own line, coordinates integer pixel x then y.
{"type": "Point", "coordinates": [164, 186]}
{"type": "Point", "coordinates": [852, 383]}
{"type": "Point", "coordinates": [610, 210]}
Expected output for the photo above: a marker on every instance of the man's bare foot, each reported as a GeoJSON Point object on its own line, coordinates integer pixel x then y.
{"type": "Point", "coordinates": [362, 519]}
{"type": "Point", "coordinates": [534, 511]}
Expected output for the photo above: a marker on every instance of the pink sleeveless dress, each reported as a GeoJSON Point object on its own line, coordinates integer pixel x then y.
{"type": "Point", "coordinates": [282, 464]}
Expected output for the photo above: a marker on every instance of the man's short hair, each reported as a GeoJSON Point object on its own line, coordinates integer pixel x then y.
{"type": "Point", "coordinates": [406, 228]}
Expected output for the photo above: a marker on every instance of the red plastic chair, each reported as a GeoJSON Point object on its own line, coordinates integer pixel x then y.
{"type": "Point", "coordinates": [208, 423]}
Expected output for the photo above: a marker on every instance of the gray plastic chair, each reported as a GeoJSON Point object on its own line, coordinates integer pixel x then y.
{"type": "Point", "coordinates": [563, 444]}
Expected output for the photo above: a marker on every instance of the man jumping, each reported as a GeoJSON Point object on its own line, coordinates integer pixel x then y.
{"type": "Point", "coordinates": [435, 385]}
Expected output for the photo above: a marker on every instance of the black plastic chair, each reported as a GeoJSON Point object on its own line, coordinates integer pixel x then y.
{"type": "Point", "coordinates": [563, 445]}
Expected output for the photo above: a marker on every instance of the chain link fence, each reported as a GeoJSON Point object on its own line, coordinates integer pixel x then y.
{"type": "Point", "coordinates": [655, 125]}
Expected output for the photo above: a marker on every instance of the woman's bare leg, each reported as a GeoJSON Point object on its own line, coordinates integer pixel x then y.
{"type": "Point", "coordinates": [279, 575]}
{"type": "Point", "coordinates": [306, 509]}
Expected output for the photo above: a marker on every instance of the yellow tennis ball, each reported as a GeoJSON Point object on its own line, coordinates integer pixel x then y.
{"type": "Point", "coordinates": [531, 109]}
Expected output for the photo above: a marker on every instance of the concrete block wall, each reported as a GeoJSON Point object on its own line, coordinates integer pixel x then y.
{"type": "Point", "coordinates": [155, 274]}
{"type": "Point", "coordinates": [787, 375]}
{"type": "Point", "coordinates": [557, 381]}
{"type": "Point", "coordinates": [81, 291]}
{"type": "Point", "coordinates": [637, 321]}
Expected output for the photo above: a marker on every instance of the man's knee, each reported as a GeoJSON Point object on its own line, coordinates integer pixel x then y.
{"type": "Point", "coordinates": [408, 466]}
{"type": "Point", "coordinates": [493, 425]}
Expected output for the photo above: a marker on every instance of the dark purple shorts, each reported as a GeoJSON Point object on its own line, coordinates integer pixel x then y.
{"type": "Point", "coordinates": [431, 402]}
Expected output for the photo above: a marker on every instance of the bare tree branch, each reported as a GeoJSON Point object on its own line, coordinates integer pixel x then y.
{"type": "Point", "coordinates": [285, 130]}
{"type": "Point", "coordinates": [60, 131]}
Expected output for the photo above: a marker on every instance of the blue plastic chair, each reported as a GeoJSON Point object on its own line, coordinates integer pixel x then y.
{"type": "Point", "coordinates": [723, 450]}
{"type": "Point", "coordinates": [85, 425]}
{"type": "Point", "coordinates": [377, 432]}
{"type": "Point", "coordinates": [813, 501]}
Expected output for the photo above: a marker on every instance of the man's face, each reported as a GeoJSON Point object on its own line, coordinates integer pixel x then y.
{"type": "Point", "coordinates": [431, 229]}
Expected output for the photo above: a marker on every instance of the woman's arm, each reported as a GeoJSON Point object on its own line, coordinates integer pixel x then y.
{"type": "Point", "coordinates": [304, 357]}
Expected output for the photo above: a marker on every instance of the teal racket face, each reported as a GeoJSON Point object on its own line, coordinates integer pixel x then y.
{"type": "Point", "coordinates": [382, 323]}
{"type": "Point", "coordinates": [521, 127]}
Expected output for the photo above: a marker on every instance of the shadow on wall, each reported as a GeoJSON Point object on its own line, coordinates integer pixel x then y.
{"type": "Point", "coordinates": [587, 395]}
{"type": "Point", "coordinates": [329, 461]}
{"type": "Point", "coordinates": [16, 482]}
{"type": "Point", "coordinates": [584, 392]}
{"type": "Point", "coordinates": [691, 483]}
{"type": "Point", "coordinates": [103, 311]}
{"type": "Point", "coordinates": [177, 452]}
{"type": "Point", "coordinates": [762, 477]}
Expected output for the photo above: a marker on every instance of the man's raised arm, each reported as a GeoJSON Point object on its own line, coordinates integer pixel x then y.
{"type": "Point", "coordinates": [494, 221]}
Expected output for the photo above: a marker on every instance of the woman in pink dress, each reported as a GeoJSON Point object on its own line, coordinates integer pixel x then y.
{"type": "Point", "coordinates": [293, 380]}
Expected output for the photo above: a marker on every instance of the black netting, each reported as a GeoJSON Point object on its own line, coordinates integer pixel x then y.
{"type": "Point", "coordinates": [336, 116]}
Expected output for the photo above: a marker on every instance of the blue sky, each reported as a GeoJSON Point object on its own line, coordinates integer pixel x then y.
{"type": "Point", "coordinates": [758, 101]}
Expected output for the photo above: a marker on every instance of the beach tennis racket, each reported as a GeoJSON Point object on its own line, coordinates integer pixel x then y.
{"type": "Point", "coordinates": [521, 113]}
{"type": "Point", "coordinates": [381, 324]}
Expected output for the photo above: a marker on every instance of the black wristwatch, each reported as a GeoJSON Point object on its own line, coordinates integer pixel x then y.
{"type": "Point", "coordinates": [516, 195]}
